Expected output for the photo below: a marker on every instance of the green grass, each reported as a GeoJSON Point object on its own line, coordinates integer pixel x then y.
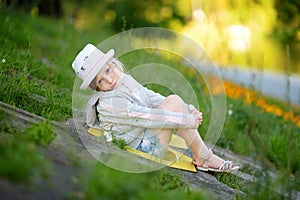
{"type": "Point", "coordinates": [36, 75]}
{"type": "Point", "coordinates": [269, 140]}
{"type": "Point", "coordinates": [250, 132]}
{"type": "Point", "coordinates": [21, 157]}
{"type": "Point", "coordinates": [35, 69]}
{"type": "Point", "coordinates": [41, 134]}
{"type": "Point", "coordinates": [106, 183]}
{"type": "Point", "coordinates": [27, 81]}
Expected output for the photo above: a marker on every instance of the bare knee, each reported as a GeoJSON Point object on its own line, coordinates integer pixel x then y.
{"type": "Point", "coordinates": [173, 103]}
{"type": "Point", "coordinates": [173, 98]}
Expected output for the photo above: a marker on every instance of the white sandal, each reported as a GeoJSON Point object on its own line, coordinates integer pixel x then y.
{"type": "Point", "coordinates": [226, 166]}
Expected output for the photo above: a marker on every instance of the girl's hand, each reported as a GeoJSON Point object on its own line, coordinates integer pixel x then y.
{"type": "Point", "coordinates": [198, 116]}
{"type": "Point", "coordinates": [199, 119]}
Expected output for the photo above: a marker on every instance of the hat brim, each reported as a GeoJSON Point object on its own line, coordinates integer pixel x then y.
{"type": "Point", "coordinates": [96, 69]}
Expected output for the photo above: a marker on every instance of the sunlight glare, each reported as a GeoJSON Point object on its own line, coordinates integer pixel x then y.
{"type": "Point", "coordinates": [199, 14]}
{"type": "Point", "coordinates": [239, 37]}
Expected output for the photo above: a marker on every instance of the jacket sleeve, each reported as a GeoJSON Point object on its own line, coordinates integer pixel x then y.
{"type": "Point", "coordinates": [119, 110]}
{"type": "Point", "coordinates": [155, 98]}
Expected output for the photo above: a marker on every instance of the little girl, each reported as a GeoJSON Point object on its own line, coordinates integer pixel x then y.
{"type": "Point", "coordinates": [125, 109]}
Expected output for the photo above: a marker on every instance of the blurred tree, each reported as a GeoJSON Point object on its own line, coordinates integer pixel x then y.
{"type": "Point", "coordinates": [288, 24]}
{"type": "Point", "coordinates": [126, 14]}
{"type": "Point", "coordinates": [51, 8]}
{"type": "Point", "coordinates": [21, 4]}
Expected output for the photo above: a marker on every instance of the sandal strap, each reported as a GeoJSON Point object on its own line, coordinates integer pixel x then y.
{"type": "Point", "coordinates": [226, 165]}
{"type": "Point", "coordinates": [206, 157]}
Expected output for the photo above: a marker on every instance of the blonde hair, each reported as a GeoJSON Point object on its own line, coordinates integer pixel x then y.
{"type": "Point", "coordinates": [113, 63]}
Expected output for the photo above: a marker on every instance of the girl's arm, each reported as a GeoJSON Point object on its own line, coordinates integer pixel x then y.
{"type": "Point", "coordinates": [155, 98]}
{"type": "Point", "coordinates": [119, 110]}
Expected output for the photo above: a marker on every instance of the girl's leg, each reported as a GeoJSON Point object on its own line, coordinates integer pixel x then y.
{"type": "Point", "coordinates": [164, 136]}
{"type": "Point", "coordinates": [191, 136]}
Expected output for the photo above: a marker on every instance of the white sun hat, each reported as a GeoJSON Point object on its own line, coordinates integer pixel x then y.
{"type": "Point", "coordinates": [89, 62]}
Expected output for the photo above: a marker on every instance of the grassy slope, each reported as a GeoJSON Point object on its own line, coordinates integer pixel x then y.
{"type": "Point", "coordinates": [36, 55]}
{"type": "Point", "coordinates": [36, 75]}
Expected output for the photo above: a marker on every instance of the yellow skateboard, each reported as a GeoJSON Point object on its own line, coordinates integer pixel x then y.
{"type": "Point", "coordinates": [172, 158]}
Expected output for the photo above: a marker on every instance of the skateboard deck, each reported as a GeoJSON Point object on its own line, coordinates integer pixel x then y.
{"type": "Point", "coordinates": [172, 158]}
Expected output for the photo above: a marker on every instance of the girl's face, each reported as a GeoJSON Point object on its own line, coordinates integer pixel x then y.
{"type": "Point", "coordinates": [108, 77]}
